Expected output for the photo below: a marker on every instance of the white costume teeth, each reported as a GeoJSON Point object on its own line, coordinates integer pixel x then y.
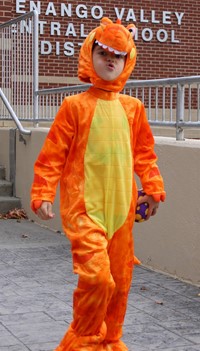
{"type": "Point", "coordinates": [105, 47]}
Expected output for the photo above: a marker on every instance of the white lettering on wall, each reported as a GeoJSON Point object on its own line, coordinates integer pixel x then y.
{"type": "Point", "coordinates": [153, 17]}
{"type": "Point", "coordinates": [147, 34]}
{"type": "Point", "coordinates": [81, 11]}
{"type": "Point", "coordinates": [50, 9]}
{"type": "Point", "coordinates": [166, 17]}
{"type": "Point", "coordinates": [66, 10]}
{"type": "Point", "coordinates": [119, 14]}
{"type": "Point", "coordinates": [162, 35]}
{"type": "Point", "coordinates": [96, 12]}
{"type": "Point", "coordinates": [45, 47]}
{"type": "Point", "coordinates": [179, 17]}
{"type": "Point", "coordinates": [25, 27]}
{"type": "Point", "coordinates": [55, 28]}
{"type": "Point", "coordinates": [34, 6]}
{"type": "Point", "coordinates": [20, 6]}
{"type": "Point", "coordinates": [82, 31]}
{"type": "Point", "coordinates": [41, 26]}
{"type": "Point", "coordinates": [130, 16]}
{"type": "Point", "coordinates": [142, 17]}
{"type": "Point", "coordinates": [70, 30]}
{"type": "Point", "coordinates": [57, 48]}
{"type": "Point", "coordinates": [68, 49]}
{"type": "Point", "coordinates": [173, 39]}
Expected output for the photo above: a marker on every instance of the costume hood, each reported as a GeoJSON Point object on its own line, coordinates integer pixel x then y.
{"type": "Point", "coordinates": [115, 38]}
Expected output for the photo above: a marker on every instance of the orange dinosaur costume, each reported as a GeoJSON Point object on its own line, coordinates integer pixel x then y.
{"type": "Point", "coordinates": [98, 140]}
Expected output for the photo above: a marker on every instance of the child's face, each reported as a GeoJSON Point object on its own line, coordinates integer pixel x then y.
{"type": "Point", "coordinates": [108, 66]}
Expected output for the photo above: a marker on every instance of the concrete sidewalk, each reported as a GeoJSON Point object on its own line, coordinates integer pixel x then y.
{"type": "Point", "coordinates": [36, 286]}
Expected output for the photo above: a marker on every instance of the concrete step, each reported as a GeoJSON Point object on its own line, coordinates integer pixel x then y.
{"type": "Point", "coordinates": [2, 172]}
{"type": "Point", "coordinates": [6, 188]}
{"type": "Point", "coordinates": [8, 203]}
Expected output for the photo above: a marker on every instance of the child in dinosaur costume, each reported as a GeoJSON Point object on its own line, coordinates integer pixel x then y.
{"type": "Point", "coordinates": [98, 140]}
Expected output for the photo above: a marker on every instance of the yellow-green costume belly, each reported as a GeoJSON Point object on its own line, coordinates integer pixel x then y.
{"type": "Point", "coordinates": [108, 167]}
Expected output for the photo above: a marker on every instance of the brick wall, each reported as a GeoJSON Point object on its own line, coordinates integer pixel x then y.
{"type": "Point", "coordinates": [169, 49]}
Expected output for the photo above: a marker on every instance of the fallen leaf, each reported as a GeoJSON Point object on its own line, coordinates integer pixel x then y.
{"type": "Point", "coordinates": [16, 213]}
{"type": "Point", "coordinates": [143, 288]}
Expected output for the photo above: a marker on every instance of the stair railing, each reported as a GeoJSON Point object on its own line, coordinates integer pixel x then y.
{"type": "Point", "coordinates": [13, 114]}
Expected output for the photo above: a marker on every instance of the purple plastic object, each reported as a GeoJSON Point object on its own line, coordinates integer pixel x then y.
{"type": "Point", "coordinates": [142, 209]}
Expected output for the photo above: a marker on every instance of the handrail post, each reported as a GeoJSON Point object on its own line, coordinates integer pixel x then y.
{"type": "Point", "coordinates": [180, 112]}
{"type": "Point", "coordinates": [35, 68]}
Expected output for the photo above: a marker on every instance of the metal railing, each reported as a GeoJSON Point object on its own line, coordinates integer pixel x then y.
{"type": "Point", "coordinates": [173, 102]}
{"type": "Point", "coordinates": [19, 66]}
{"type": "Point", "coordinates": [12, 114]}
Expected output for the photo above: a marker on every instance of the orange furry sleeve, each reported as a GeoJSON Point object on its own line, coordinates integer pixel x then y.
{"type": "Point", "coordinates": [52, 158]}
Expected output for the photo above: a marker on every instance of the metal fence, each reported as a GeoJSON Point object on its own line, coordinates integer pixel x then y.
{"type": "Point", "coordinates": [19, 66]}
{"type": "Point", "coordinates": [171, 102]}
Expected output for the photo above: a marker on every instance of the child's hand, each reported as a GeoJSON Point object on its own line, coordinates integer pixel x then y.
{"type": "Point", "coordinates": [153, 205]}
{"type": "Point", "coordinates": [45, 211]}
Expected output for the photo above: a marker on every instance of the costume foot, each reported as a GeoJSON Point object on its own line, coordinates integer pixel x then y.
{"type": "Point", "coordinates": [115, 346]}
{"type": "Point", "coordinates": [73, 342]}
